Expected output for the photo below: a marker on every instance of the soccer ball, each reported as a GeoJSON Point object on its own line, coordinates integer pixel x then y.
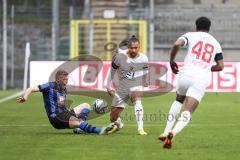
{"type": "Point", "coordinates": [100, 106]}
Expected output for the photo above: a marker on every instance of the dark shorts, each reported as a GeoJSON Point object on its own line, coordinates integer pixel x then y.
{"type": "Point", "coordinates": [61, 121]}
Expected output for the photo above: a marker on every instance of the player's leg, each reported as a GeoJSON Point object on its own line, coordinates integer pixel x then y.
{"type": "Point", "coordinates": [82, 111]}
{"type": "Point", "coordinates": [115, 119]}
{"type": "Point", "coordinates": [115, 113]}
{"type": "Point", "coordinates": [118, 105]}
{"type": "Point", "coordinates": [67, 119]}
{"type": "Point", "coordinates": [138, 109]}
{"type": "Point", "coordinates": [182, 86]}
{"type": "Point", "coordinates": [189, 107]}
{"type": "Point", "coordinates": [172, 115]}
{"type": "Point", "coordinates": [193, 98]}
{"type": "Point", "coordinates": [74, 123]}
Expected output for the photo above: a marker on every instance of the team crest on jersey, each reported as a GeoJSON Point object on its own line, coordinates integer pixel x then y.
{"type": "Point", "coordinates": [61, 100]}
{"type": "Point", "coordinates": [131, 66]}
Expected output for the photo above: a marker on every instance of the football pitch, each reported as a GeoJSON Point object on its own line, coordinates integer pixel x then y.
{"type": "Point", "coordinates": [213, 133]}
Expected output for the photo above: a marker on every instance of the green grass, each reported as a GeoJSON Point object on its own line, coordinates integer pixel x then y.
{"type": "Point", "coordinates": [214, 133]}
{"type": "Point", "coordinates": [8, 93]}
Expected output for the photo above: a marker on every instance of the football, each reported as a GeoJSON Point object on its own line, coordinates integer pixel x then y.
{"type": "Point", "coordinates": [100, 106]}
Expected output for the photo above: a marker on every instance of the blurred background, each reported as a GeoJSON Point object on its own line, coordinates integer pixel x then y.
{"type": "Point", "coordinates": [58, 30]}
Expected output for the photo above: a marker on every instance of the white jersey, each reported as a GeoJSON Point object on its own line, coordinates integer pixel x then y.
{"type": "Point", "coordinates": [130, 70]}
{"type": "Point", "coordinates": [202, 49]}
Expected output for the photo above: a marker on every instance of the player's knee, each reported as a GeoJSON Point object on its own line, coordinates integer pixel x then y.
{"type": "Point", "coordinates": [136, 96]}
{"type": "Point", "coordinates": [77, 110]}
{"type": "Point", "coordinates": [180, 98]}
{"type": "Point", "coordinates": [84, 113]}
{"type": "Point", "coordinates": [86, 105]}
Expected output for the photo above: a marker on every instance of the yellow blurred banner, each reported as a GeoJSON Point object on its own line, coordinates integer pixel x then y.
{"type": "Point", "coordinates": [92, 35]}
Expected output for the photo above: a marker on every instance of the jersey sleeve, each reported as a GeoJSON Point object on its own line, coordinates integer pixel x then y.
{"type": "Point", "coordinates": [44, 87]}
{"type": "Point", "coordinates": [145, 64]}
{"type": "Point", "coordinates": [218, 48]}
{"type": "Point", "coordinates": [186, 38]}
{"type": "Point", "coordinates": [115, 61]}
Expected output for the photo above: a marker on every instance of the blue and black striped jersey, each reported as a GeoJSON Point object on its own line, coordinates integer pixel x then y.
{"type": "Point", "coordinates": [54, 97]}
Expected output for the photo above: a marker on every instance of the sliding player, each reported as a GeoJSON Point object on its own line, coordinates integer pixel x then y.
{"type": "Point", "coordinates": [54, 96]}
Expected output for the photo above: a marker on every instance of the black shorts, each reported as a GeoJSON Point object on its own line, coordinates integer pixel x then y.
{"type": "Point", "coordinates": [61, 121]}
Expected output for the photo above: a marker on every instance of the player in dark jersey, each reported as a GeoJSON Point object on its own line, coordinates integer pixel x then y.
{"type": "Point", "coordinates": [54, 96]}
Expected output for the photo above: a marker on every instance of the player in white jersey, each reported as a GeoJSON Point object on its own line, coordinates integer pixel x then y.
{"type": "Point", "coordinates": [132, 68]}
{"type": "Point", "coordinates": [193, 77]}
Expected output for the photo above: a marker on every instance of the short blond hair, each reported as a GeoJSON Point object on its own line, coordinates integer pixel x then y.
{"type": "Point", "coordinates": [60, 73]}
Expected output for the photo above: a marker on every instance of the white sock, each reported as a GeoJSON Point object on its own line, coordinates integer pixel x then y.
{"type": "Point", "coordinates": [172, 115]}
{"type": "Point", "coordinates": [139, 114]}
{"type": "Point", "coordinates": [182, 122]}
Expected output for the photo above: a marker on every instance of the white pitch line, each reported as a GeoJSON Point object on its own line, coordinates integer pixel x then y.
{"type": "Point", "coordinates": [11, 97]}
{"type": "Point", "coordinates": [130, 125]}
{"type": "Point", "coordinates": [22, 125]}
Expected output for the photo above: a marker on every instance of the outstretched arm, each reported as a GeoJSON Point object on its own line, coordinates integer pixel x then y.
{"type": "Point", "coordinates": [26, 94]}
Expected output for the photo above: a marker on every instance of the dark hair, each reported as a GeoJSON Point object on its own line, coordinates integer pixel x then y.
{"type": "Point", "coordinates": [61, 73]}
{"type": "Point", "coordinates": [203, 23]}
{"type": "Point", "coordinates": [133, 39]}
{"type": "Point", "coordinates": [124, 44]}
